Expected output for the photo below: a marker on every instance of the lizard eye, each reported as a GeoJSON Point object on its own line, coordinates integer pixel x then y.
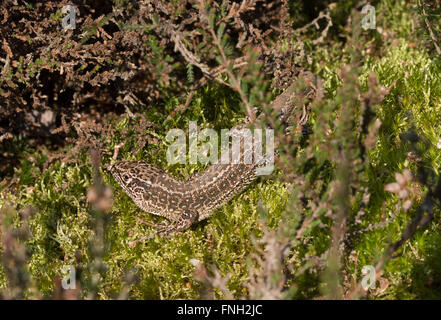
{"type": "Point", "coordinates": [126, 176]}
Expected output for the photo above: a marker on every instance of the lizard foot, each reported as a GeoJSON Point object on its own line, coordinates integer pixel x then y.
{"type": "Point", "coordinates": [168, 230]}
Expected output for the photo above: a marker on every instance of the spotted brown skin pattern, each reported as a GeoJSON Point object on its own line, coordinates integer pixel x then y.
{"type": "Point", "coordinates": [157, 192]}
{"type": "Point", "coordinates": [185, 202]}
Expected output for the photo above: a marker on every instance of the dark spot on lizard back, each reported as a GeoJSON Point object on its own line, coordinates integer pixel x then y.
{"type": "Point", "coordinates": [142, 184]}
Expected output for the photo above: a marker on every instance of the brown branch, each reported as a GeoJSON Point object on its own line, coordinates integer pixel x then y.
{"type": "Point", "coordinates": [432, 35]}
{"type": "Point", "coordinates": [323, 14]}
{"type": "Point", "coordinates": [236, 84]}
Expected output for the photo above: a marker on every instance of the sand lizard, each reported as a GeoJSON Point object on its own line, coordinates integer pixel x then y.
{"type": "Point", "coordinates": [195, 199]}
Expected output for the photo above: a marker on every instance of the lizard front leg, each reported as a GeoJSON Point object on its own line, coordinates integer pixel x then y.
{"type": "Point", "coordinates": [184, 222]}
{"type": "Point", "coordinates": [169, 229]}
